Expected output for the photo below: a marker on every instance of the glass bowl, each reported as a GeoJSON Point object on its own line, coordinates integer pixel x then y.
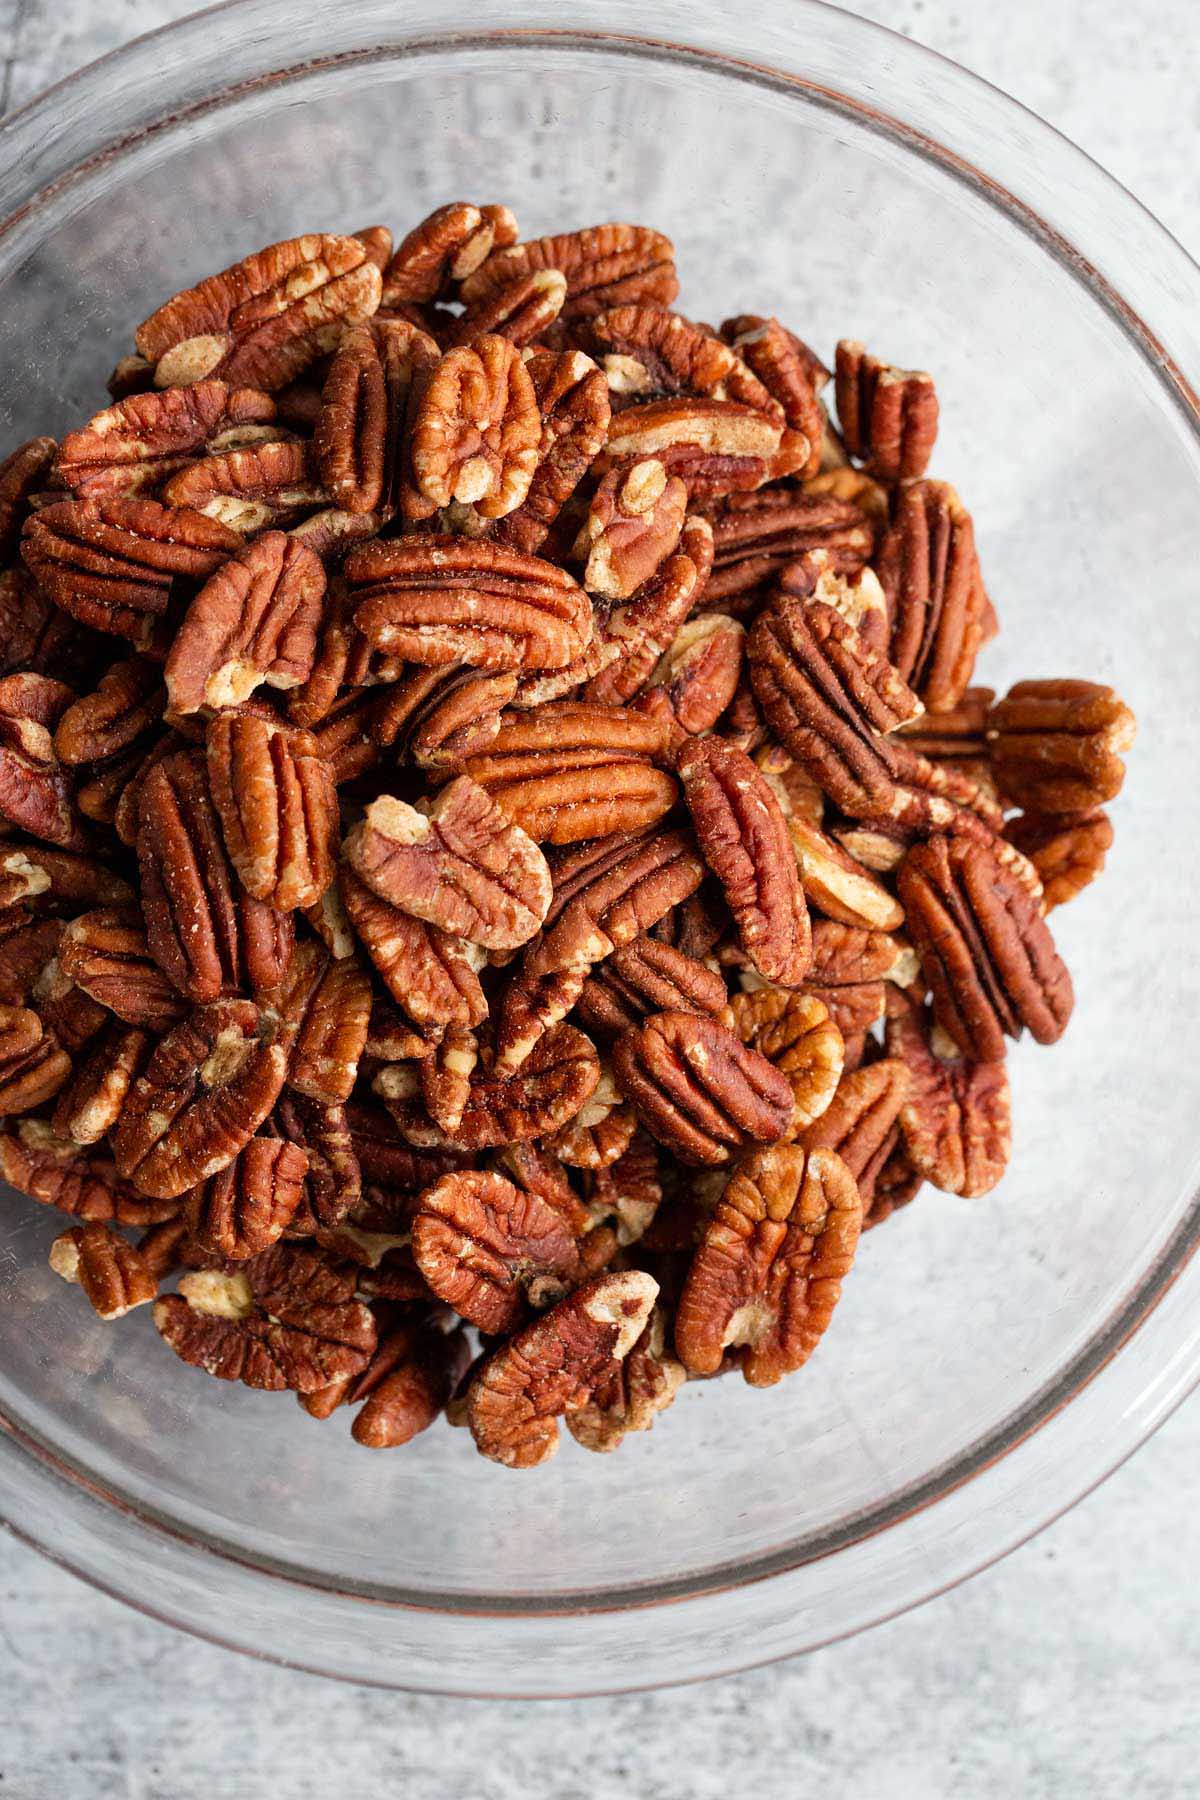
{"type": "Point", "coordinates": [991, 1359]}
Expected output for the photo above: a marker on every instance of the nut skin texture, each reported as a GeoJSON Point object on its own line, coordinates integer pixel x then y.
{"type": "Point", "coordinates": [1056, 745]}
{"type": "Point", "coordinates": [889, 417]}
{"type": "Point", "coordinates": [277, 803]}
{"type": "Point", "coordinates": [744, 837]}
{"type": "Point", "coordinates": [986, 952]}
{"type": "Point", "coordinates": [769, 1268]}
{"type": "Point", "coordinates": [701, 671]}
{"type": "Point", "coordinates": [699, 1090]}
{"type": "Point", "coordinates": [957, 1118]}
{"type": "Point", "coordinates": [1068, 850]}
{"type": "Point", "coordinates": [114, 1276]}
{"type": "Point", "coordinates": [486, 1248]}
{"type": "Point", "coordinates": [443, 250]}
{"type": "Point", "coordinates": [205, 1091]}
{"type": "Point", "coordinates": [324, 1004]}
{"type": "Point", "coordinates": [477, 430]}
{"type": "Point", "coordinates": [248, 1205]}
{"type": "Point", "coordinates": [647, 976]}
{"type": "Point", "coordinates": [128, 703]}
{"type": "Point", "coordinates": [254, 620]}
{"type": "Point", "coordinates": [796, 1033]}
{"type": "Point", "coordinates": [554, 1366]}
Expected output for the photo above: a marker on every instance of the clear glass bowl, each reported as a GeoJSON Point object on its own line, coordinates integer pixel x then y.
{"type": "Point", "coordinates": [991, 1359]}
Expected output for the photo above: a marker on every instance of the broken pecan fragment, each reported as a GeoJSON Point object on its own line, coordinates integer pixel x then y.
{"type": "Point", "coordinates": [245, 1208]}
{"type": "Point", "coordinates": [957, 1117]}
{"type": "Point", "coordinates": [35, 789]}
{"type": "Point", "coordinates": [114, 1276]}
{"type": "Point", "coordinates": [137, 444]}
{"type": "Point", "coordinates": [278, 808]}
{"type": "Point", "coordinates": [889, 417]}
{"type": "Point", "coordinates": [838, 884]}
{"type": "Point", "coordinates": [605, 265]}
{"type": "Point", "coordinates": [486, 1248]}
{"type": "Point", "coordinates": [633, 525]}
{"type": "Point", "coordinates": [701, 670]}
{"type": "Point", "coordinates": [255, 620]}
{"type": "Point", "coordinates": [554, 1366]}
{"type": "Point", "coordinates": [744, 837]}
{"type": "Point", "coordinates": [205, 1091]}
{"type": "Point", "coordinates": [1067, 850]}
{"type": "Point", "coordinates": [285, 1319]}
{"type": "Point", "coordinates": [325, 1006]}
{"type": "Point", "coordinates": [106, 954]}
{"type": "Point", "coordinates": [698, 1089]}
{"type": "Point", "coordinates": [987, 954]}
{"type": "Point", "coordinates": [456, 862]}
{"type": "Point", "coordinates": [1056, 745]}
{"type": "Point", "coordinates": [476, 430]}
{"type": "Point", "coordinates": [631, 1397]}
{"type": "Point", "coordinates": [796, 1033]}
{"type": "Point", "coordinates": [768, 1271]}
{"type": "Point", "coordinates": [789, 372]}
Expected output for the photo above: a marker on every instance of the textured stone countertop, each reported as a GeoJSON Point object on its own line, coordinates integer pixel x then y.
{"type": "Point", "coordinates": [1069, 1670]}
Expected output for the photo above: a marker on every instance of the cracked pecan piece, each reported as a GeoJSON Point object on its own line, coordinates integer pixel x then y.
{"type": "Point", "coordinates": [56, 1172]}
{"type": "Point", "coordinates": [1056, 745]}
{"type": "Point", "coordinates": [635, 636]}
{"type": "Point", "coordinates": [552, 1083]}
{"type": "Point", "coordinates": [22, 473]}
{"type": "Point", "coordinates": [111, 561]}
{"type": "Point", "coordinates": [432, 975]}
{"type": "Point", "coordinates": [35, 788]}
{"type": "Point", "coordinates": [572, 770]}
{"type": "Point", "coordinates": [105, 953]}
{"type": "Point", "coordinates": [633, 1394]}
{"type": "Point", "coordinates": [443, 250]}
{"type": "Point", "coordinates": [114, 1276]}
{"type": "Point", "coordinates": [141, 441]}
{"type": "Point", "coordinates": [278, 808]}
{"type": "Point", "coordinates": [436, 600]}
{"type": "Point", "coordinates": [701, 670]}
{"type": "Point", "coordinates": [457, 862]}
{"type": "Point", "coordinates": [572, 397]}
{"type": "Point", "coordinates": [554, 1366]}
{"type": "Point", "coordinates": [888, 416]}
{"type": "Point", "coordinates": [203, 930]}
{"type": "Point", "coordinates": [285, 1319]}
{"type": "Point", "coordinates": [768, 1271]}
{"type": "Point", "coordinates": [956, 1119]}
{"type": "Point", "coordinates": [476, 431]}
{"type": "Point", "coordinates": [796, 1033]}
{"type": "Point", "coordinates": [33, 1064]}
{"type": "Point", "coordinates": [929, 569]}
{"type": "Point", "coordinates": [647, 976]}
{"type": "Point", "coordinates": [861, 1122]}
{"type": "Point", "coordinates": [261, 322]}
{"type": "Point", "coordinates": [1068, 850]}
{"type": "Point", "coordinates": [633, 524]}
{"type": "Point", "coordinates": [245, 1208]}
{"type": "Point", "coordinates": [757, 535]}
{"type": "Point", "coordinates": [90, 1104]}
{"type": "Point", "coordinates": [744, 837]}
{"type": "Point", "coordinates": [698, 1089]}
{"type": "Point", "coordinates": [488, 1249]}
{"type": "Point", "coordinates": [204, 1093]}
{"type": "Point", "coordinates": [255, 620]}
{"type": "Point", "coordinates": [605, 266]}
{"type": "Point", "coordinates": [986, 952]}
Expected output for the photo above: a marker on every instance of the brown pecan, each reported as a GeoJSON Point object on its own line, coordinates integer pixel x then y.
{"type": "Point", "coordinates": [436, 600]}
{"type": "Point", "coordinates": [958, 738]}
{"type": "Point", "coordinates": [56, 881]}
{"type": "Point", "coordinates": [325, 1005]}
{"type": "Point", "coordinates": [205, 1091]}
{"type": "Point", "coordinates": [633, 524]}
{"type": "Point", "coordinates": [27, 945]}
{"type": "Point", "coordinates": [278, 808]}
{"type": "Point", "coordinates": [486, 1248]}
{"type": "Point", "coordinates": [202, 930]}
{"type": "Point", "coordinates": [600, 1133]}
{"type": "Point", "coordinates": [444, 716]}
{"type": "Point", "coordinates": [854, 1006]}
{"type": "Point", "coordinates": [110, 562]}
{"type": "Point", "coordinates": [22, 473]}
{"type": "Point", "coordinates": [861, 1120]}
{"type": "Point", "coordinates": [633, 1394]}
{"type": "Point", "coordinates": [757, 535]}
{"type": "Point", "coordinates": [701, 670]}
{"type": "Point", "coordinates": [247, 1207]}
{"type": "Point", "coordinates": [769, 1268]}
{"type": "Point", "coordinates": [106, 954]}
{"type": "Point", "coordinates": [986, 952]}
{"type": "Point", "coordinates": [549, 1088]}
{"type": "Point", "coordinates": [929, 569]}
{"type": "Point", "coordinates": [255, 620]}
{"type": "Point", "coordinates": [698, 1089]}
{"type": "Point", "coordinates": [1056, 745]}
{"type": "Point", "coordinates": [648, 350]}
{"type": "Point", "coordinates": [521, 312]}
{"type": "Point", "coordinates": [402, 1390]}
{"type": "Point", "coordinates": [127, 704]}
{"type": "Point", "coordinates": [957, 1116]}
{"type": "Point", "coordinates": [788, 371]}
{"type": "Point", "coordinates": [889, 417]}
{"type": "Point", "coordinates": [647, 976]}
{"type": "Point", "coordinates": [430, 974]}
{"type": "Point", "coordinates": [605, 265]}
{"type": "Point", "coordinates": [572, 397]}
{"type": "Point", "coordinates": [744, 837]}
{"type": "Point", "coordinates": [571, 770]}
{"type": "Point", "coordinates": [476, 431]}
{"type": "Point", "coordinates": [90, 1104]}
{"type": "Point", "coordinates": [443, 250]}
{"type": "Point", "coordinates": [361, 414]}
{"type": "Point", "coordinates": [333, 1186]}
{"type": "Point", "coordinates": [896, 1185]}
{"type": "Point", "coordinates": [554, 1366]}
{"type": "Point", "coordinates": [858, 598]}
{"type": "Point", "coordinates": [265, 483]}
{"type": "Point", "coordinates": [456, 862]}
{"type": "Point", "coordinates": [839, 885]}
{"type": "Point", "coordinates": [636, 635]}
{"type": "Point", "coordinates": [33, 1064]}
{"type": "Point", "coordinates": [57, 1172]}
{"type": "Point", "coordinates": [714, 446]}
{"type": "Point", "coordinates": [1066, 849]}
{"type": "Point", "coordinates": [68, 1014]}
{"type": "Point", "coordinates": [114, 1276]}
{"type": "Point", "coordinates": [35, 789]}
{"type": "Point", "coordinates": [846, 954]}
{"type": "Point", "coordinates": [136, 445]}
{"type": "Point", "coordinates": [35, 634]}
{"type": "Point", "coordinates": [285, 1319]}
{"type": "Point", "coordinates": [796, 1033]}
{"type": "Point", "coordinates": [262, 321]}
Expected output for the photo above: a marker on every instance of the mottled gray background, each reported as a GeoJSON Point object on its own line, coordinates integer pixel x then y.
{"type": "Point", "coordinates": [1069, 1670]}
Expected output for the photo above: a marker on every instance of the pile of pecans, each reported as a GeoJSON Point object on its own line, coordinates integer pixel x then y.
{"type": "Point", "coordinates": [499, 834]}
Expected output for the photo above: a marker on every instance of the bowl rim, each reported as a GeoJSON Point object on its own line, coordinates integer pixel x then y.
{"type": "Point", "coordinates": [1167, 354]}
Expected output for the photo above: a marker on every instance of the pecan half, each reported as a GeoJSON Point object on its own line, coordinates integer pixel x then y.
{"type": "Point", "coordinates": [456, 862]}
{"type": "Point", "coordinates": [443, 250]}
{"type": "Point", "coordinates": [90, 1104]}
{"type": "Point", "coordinates": [631, 1397]}
{"type": "Point", "coordinates": [636, 635]}
{"type": "Point", "coordinates": [269, 482]}
{"type": "Point", "coordinates": [35, 634]}
{"type": "Point", "coordinates": [605, 265]}
{"type": "Point", "coordinates": [987, 954]}
{"type": "Point", "coordinates": [757, 535]}
{"type": "Point", "coordinates": [105, 953]}
{"type": "Point", "coordinates": [360, 412]}
{"type": "Point", "coordinates": [554, 1366]}
{"type": "Point", "coordinates": [714, 446]}
{"type": "Point", "coordinates": [572, 397]}
{"type": "Point", "coordinates": [255, 620]}
{"type": "Point", "coordinates": [698, 1089]}
{"type": "Point", "coordinates": [22, 473]}
{"type": "Point", "coordinates": [1056, 745]}
{"type": "Point", "coordinates": [278, 808]}
{"type": "Point", "coordinates": [136, 445]}
{"type": "Point", "coordinates": [126, 705]}
{"type": "Point", "coordinates": [432, 975]}
{"type": "Point", "coordinates": [647, 976]}
{"type": "Point", "coordinates": [769, 1268]}
{"type": "Point", "coordinates": [114, 1276]}
{"type": "Point", "coordinates": [486, 1248]}
{"type": "Point", "coordinates": [476, 431]}
{"type": "Point", "coordinates": [633, 525]}
{"type": "Point", "coordinates": [549, 1088]}
{"type": "Point", "coordinates": [838, 884]}
{"type": "Point", "coordinates": [58, 1173]}
{"type": "Point", "coordinates": [744, 837]}
{"type": "Point", "coordinates": [957, 1116]}
{"type": "Point", "coordinates": [286, 1319]}
{"type": "Point", "coordinates": [796, 1033]}
{"type": "Point", "coordinates": [789, 372]}
{"type": "Point", "coordinates": [325, 1006]}
{"type": "Point", "coordinates": [929, 569]}
{"type": "Point", "coordinates": [522, 312]}
{"type": "Point", "coordinates": [333, 1185]}
{"type": "Point", "coordinates": [444, 716]}
{"type": "Point", "coordinates": [33, 1064]}
{"type": "Point", "coordinates": [860, 1123]}
{"type": "Point", "coordinates": [245, 1208]}
{"type": "Point", "coordinates": [205, 1091]}
{"type": "Point", "coordinates": [1068, 850]}
{"type": "Point", "coordinates": [701, 670]}
{"type": "Point", "coordinates": [889, 417]}
{"type": "Point", "coordinates": [648, 350]}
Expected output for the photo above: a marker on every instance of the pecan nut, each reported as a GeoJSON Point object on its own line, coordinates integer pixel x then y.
{"type": "Point", "coordinates": [269, 482]}
{"type": "Point", "coordinates": [278, 808]}
{"type": "Point", "coordinates": [325, 1006]}
{"type": "Point", "coordinates": [633, 1394]}
{"type": "Point", "coordinates": [247, 1206]}
{"type": "Point", "coordinates": [476, 431]}
{"type": "Point", "coordinates": [255, 620]}
{"type": "Point", "coordinates": [929, 570]}
{"type": "Point", "coordinates": [486, 1248]}
{"type": "Point", "coordinates": [572, 397]}
{"type": "Point", "coordinates": [633, 525]}
{"type": "Point", "coordinates": [35, 788]}
{"type": "Point", "coordinates": [838, 884]}
{"type": "Point", "coordinates": [90, 1104]}
{"type": "Point", "coordinates": [605, 265]}
{"type": "Point", "coordinates": [105, 953]}
{"type": "Point", "coordinates": [136, 445]}
{"type": "Point", "coordinates": [796, 1033]}
{"type": "Point", "coordinates": [22, 473]}
{"type": "Point", "coordinates": [549, 1088]}
{"type": "Point", "coordinates": [698, 1089]}
{"type": "Point", "coordinates": [701, 670]}
{"type": "Point", "coordinates": [1068, 850]}
{"type": "Point", "coordinates": [861, 1122]}
{"type": "Point", "coordinates": [1056, 745]}
{"type": "Point", "coordinates": [127, 704]}
{"type": "Point", "coordinates": [957, 1117]}
{"type": "Point", "coordinates": [114, 1275]}
{"type": "Point", "coordinates": [432, 975]}
{"type": "Point", "coordinates": [443, 250]}
{"type": "Point", "coordinates": [33, 1064]}
{"type": "Point", "coordinates": [757, 535]}
{"type": "Point", "coordinates": [889, 417]}
{"type": "Point", "coordinates": [56, 1172]}
{"type": "Point", "coordinates": [647, 976]}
